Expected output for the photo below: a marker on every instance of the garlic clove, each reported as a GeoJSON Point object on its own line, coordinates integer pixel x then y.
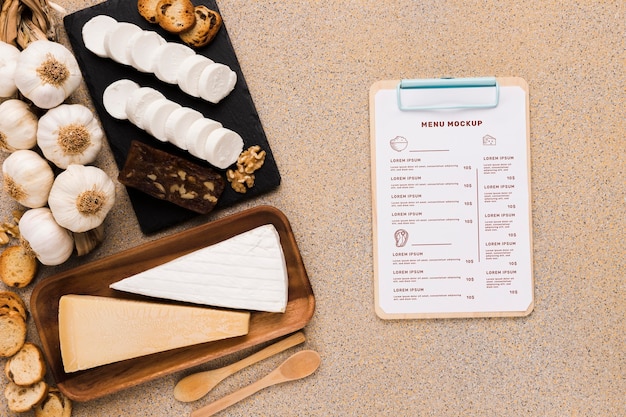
{"type": "Point", "coordinates": [81, 197]}
{"type": "Point", "coordinates": [86, 242]}
{"type": "Point", "coordinates": [27, 178]}
{"type": "Point", "coordinates": [41, 234]}
{"type": "Point", "coordinates": [69, 134]}
{"type": "Point", "coordinates": [18, 126]}
{"type": "Point", "coordinates": [8, 62]}
{"type": "Point", "coordinates": [47, 73]}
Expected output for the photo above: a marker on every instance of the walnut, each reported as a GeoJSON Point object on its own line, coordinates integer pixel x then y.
{"type": "Point", "coordinates": [10, 229]}
{"type": "Point", "coordinates": [251, 159]}
{"type": "Point", "coordinates": [248, 162]}
{"type": "Point", "coordinates": [239, 179]}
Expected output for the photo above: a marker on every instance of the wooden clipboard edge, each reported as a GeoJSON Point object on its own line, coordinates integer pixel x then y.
{"type": "Point", "coordinates": [390, 85]}
{"type": "Point", "coordinates": [377, 86]}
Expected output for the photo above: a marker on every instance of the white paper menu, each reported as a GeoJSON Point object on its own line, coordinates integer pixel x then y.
{"type": "Point", "coordinates": [452, 218]}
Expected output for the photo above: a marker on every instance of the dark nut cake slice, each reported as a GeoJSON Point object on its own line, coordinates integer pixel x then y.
{"type": "Point", "coordinates": [171, 178]}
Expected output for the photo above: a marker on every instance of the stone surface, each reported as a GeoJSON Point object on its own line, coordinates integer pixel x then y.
{"type": "Point", "coordinates": [309, 66]}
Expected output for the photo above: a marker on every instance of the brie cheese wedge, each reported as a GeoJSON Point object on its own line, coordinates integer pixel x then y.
{"type": "Point", "coordinates": [247, 271]}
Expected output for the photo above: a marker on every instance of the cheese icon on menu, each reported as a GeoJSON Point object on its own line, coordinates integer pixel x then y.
{"type": "Point", "coordinates": [247, 271]}
{"type": "Point", "coordinates": [96, 331]}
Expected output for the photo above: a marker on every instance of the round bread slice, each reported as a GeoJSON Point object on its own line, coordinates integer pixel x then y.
{"type": "Point", "coordinates": [208, 22]}
{"type": "Point", "coordinates": [12, 333]}
{"type": "Point", "coordinates": [175, 16]}
{"type": "Point", "coordinates": [17, 266]}
{"type": "Point", "coordinates": [54, 405]}
{"type": "Point", "coordinates": [27, 366]}
{"type": "Point", "coordinates": [11, 301]}
{"type": "Point", "coordinates": [23, 399]}
{"type": "Point", "coordinates": [148, 9]}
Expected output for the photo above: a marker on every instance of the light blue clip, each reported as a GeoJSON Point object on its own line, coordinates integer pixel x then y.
{"type": "Point", "coordinates": [433, 83]}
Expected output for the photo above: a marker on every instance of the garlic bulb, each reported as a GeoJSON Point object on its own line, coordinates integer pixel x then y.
{"type": "Point", "coordinates": [69, 134]}
{"type": "Point", "coordinates": [81, 197]}
{"type": "Point", "coordinates": [18, 126]}
{"type": "Point", "coordinates": [27, 178]}
{"type": "Point", "coordinates": [41, 234]}
{"type": "Point", "coordinates": [47, 73]}
{"type": "Point", "coordinates": [8, 61]}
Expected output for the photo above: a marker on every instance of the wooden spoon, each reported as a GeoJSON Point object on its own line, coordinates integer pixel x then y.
{"type": "Point", "coordinates": [297, 366]}
{"type": "Point", "coordinates": [196, 386]}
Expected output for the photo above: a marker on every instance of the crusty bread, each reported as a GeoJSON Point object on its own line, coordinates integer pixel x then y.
{"type": "Point", "coordinates": [22, 399]}
{"type": "Point", "coordinates": [17, 266]}
{"type": "Point", "coordinates": [11, 301]}
{"type": "Point", "coordinates": [148, 9]}
{"type": "Point", "coordinates": [54, 405]}
{"type": "Point", "coordinates": [27, 366]}
{"type": "Point", "coordinates": [208, 23]}
{"type": "Point", "coordinates": [12, 333]}
{"type": "Point", "coordinates": [175, 16]}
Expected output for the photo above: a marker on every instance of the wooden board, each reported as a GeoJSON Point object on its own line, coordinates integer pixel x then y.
{"type": "Point", "coordinates": [236, 112]}
{"type": "Point", "coordinates": [94, 279]}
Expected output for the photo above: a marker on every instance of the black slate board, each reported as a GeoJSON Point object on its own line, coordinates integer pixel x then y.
{"type": "Point", "coordinates": [236, 112]}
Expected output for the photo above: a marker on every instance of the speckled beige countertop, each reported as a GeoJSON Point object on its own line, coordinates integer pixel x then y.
{"type": "Point", "coordinates": [309, 66]}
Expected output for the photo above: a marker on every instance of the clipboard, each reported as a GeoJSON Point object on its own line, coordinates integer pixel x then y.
{"type": "Point", "coordinates": [451, 198]}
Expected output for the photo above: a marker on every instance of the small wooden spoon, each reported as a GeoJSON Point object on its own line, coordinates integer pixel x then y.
{"type": "Point", "coordinates": [196, 386]}
{"type": "Point", "coordinates": [297, 366]}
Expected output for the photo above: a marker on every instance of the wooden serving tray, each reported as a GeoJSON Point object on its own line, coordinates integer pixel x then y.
{"type": "Point", "coordinates": [94, 279]}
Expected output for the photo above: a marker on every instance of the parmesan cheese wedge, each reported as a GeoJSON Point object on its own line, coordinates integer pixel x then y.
{"type": "Point", "coordinates": [96, 331]}
{"type": "Point", "coordinates": [95, 31]}
{"type": "Point", "coordinates": [247, 271]}
{"type": "Point", "coordinates": [116, 41]}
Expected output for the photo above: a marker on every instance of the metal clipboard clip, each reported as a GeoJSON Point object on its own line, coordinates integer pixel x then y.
{"type": "Point", "coordinates": [447, 84]}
